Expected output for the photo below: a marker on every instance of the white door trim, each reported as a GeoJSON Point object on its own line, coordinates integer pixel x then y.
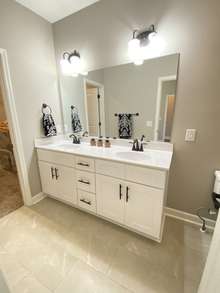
{"type": "Point", "coordinates": [12, 117]}
{"type": "Point", "coordinates": [158, 102]}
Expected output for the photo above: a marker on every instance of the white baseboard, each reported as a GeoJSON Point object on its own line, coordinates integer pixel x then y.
{"type": "Point", "coordinates": [188, 218]}
{"type": "Point", "coordinates": [38, 197]}
{"type": "Point", "coordinates": [169, 212]}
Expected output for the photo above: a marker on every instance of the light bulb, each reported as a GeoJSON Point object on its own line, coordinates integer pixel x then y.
{"type": "Point", "coordinates": [134, 48]}
{"type": "Point", "coordinates": [72, 65]}
{"type": "Point", "coordinates": [152, 36]}
{"type": "Point", "coordinates": [76, 63]}
{"type": "Point", "coordinates": [134, 51]}
{"type": "Point", "coordinates": [66, 67]}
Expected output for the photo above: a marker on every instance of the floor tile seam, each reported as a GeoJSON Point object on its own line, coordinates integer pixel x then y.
{"type": "Point", "coordinates": [107, 276]}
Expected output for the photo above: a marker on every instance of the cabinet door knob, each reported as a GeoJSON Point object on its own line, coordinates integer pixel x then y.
{"type": "Point", "coordinates": [127, 195]}
{"type": "Point", "coordinates": [120, 191]}
{"type": "Point", "coordinates": [52, 172]}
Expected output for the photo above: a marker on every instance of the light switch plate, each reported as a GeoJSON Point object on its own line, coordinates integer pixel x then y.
{"type": "Point", "coordinates": [190, 135]}
{"type": "Point", "coordinates": [149, 123]}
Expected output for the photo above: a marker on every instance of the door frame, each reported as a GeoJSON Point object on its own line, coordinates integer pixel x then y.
{"type": "Point", "coordinates": [165, 116]}
{"type": "Point", "coordinates": [158, 102]}
{"type": "Point", "coordinates": [14, 129]}
{"type": "Point", "coordinates": [100, 86]}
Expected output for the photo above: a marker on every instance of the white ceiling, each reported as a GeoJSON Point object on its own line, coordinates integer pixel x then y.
{"type": "Point", "coordinates": [54, 10]}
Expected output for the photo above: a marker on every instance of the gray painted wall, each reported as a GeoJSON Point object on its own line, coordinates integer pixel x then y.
{"type": "Point", "coordinates": [191, 28]}
{"type": "Point", "coordinates": [28, 40]}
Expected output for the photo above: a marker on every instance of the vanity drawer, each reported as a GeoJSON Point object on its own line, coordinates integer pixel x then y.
{"type": "Point", "coordinates": [146, 176]}
{"type": "Point", "coordinates": [85, 164]}
{"type": "Point", "coordinates": [112, 169]}
{"type": "Point", "coordinates": [87, 201]}
{"type": "Point", "coordinates": [56, 158]}
{"type": "Point", "coordinates": [85, 181]}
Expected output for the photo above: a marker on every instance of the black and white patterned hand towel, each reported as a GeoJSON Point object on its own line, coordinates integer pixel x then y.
{"type": "Point", "coordinates": [76, 124]}
{"type": "Point", "coordinates": [125, 125]}
{"type": "Point", "coordinates": [48, 122]}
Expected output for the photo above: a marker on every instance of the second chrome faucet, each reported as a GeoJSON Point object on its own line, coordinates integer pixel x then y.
{"type": "Point", "coordinates": [138, 146]}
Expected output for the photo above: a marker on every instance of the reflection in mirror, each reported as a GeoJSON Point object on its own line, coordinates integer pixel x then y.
{"type": "Point", "coordinates": [124, 101]}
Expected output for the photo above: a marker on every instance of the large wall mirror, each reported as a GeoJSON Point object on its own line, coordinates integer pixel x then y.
{"type": "Point", "coordinates": [124, 101]}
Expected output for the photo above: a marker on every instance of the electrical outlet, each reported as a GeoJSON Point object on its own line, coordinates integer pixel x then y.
{"type": "Point", "coordinates": [190, 135]}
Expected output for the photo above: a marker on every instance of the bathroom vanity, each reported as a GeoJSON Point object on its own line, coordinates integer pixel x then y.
{"type": "Point", "coordinates": [124, 187]}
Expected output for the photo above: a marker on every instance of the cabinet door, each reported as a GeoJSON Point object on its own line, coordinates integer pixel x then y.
{"type": "Point", "coordinates": [110, 198]}
{"type": "Point", "coordinates": [66, 180]}
{"type": "Point", "coordinates": [144, 209]}
{"type": "Point", "coordinates": [48, 179]}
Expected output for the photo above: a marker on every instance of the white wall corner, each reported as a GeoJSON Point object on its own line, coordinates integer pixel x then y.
{"type": "Point", "coordinates": [188, 218]}
{"type": "Point", "coordinates": [38, 197]}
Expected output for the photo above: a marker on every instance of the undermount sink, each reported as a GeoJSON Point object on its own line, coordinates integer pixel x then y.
{"type": "Point", "coordinates": [136, 156]}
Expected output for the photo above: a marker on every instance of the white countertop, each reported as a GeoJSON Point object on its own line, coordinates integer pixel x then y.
{"type": "Point", "coordinates": [156, 155]}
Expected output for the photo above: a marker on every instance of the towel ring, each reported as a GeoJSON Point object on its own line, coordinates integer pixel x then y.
{"type": "Point", "coordinates": [44, 107]}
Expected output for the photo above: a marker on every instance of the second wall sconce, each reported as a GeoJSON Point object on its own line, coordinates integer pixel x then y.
{"type": "Point", "coordinates": [144, 42]}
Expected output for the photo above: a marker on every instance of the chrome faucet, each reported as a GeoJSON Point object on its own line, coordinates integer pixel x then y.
{"type": "Point", "coordinates": [138, 146]}
{"type": "Point", "coordinates": [85, 134]}
{"type": "Point", "coordinates": [76, 139]}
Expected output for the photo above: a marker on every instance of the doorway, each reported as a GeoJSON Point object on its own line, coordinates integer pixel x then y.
{"type": "Point", "coordinates": [95, 108]}
{"type": "Point", "coordinates": [10, 192]}
{"type": "Point", "coordinates": [16, 161]}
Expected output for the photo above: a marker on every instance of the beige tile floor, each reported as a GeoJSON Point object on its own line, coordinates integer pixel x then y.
{"type": "Point", "coordinates": [52, 247]}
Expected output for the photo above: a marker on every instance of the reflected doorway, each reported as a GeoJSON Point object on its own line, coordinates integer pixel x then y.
{"type": "Point", "coordinates": [166, 98]}
{"type": "Point", "coordinates": [95, 109]}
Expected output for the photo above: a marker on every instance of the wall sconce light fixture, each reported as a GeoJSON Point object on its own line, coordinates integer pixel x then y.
{"type": "Point", "coordinates": [72, 64]}
{"type": "Point", "coordinates": [144, 44]}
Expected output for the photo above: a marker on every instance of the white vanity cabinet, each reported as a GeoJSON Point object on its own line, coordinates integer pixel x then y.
{"type": "Point", "coordinates": [126, 194]}
{"type": "Point", "coordinates": [143, 208]}
{"type": "Point", "coordinates": [58, 181]}
{"type": "Point", "coordinates": [110, 198]}
{"type": "Point", "coordinates": [133, 205]}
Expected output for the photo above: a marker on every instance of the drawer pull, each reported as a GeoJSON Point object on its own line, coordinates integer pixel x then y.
{"type": "Point", "coordinates": [84, 182]}
{"type": "Point", "coordinates": [120, 191]}
{"type": "Point", "coordinates": [56, 173]}
{"type": "Point", "coordinates": [86, 201]}
{"type": "Point", "coordinates": [52, 172]}
{"type": "Point", "coordinates": [83, 164]}
{"type": "Point", "coordinates": [127, 195]}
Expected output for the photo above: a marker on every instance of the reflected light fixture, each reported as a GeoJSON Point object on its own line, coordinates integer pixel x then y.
{"type": "Point", "coordinates": [144, 44]}
{"type": "Point", "coordinates": [72, 64]}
